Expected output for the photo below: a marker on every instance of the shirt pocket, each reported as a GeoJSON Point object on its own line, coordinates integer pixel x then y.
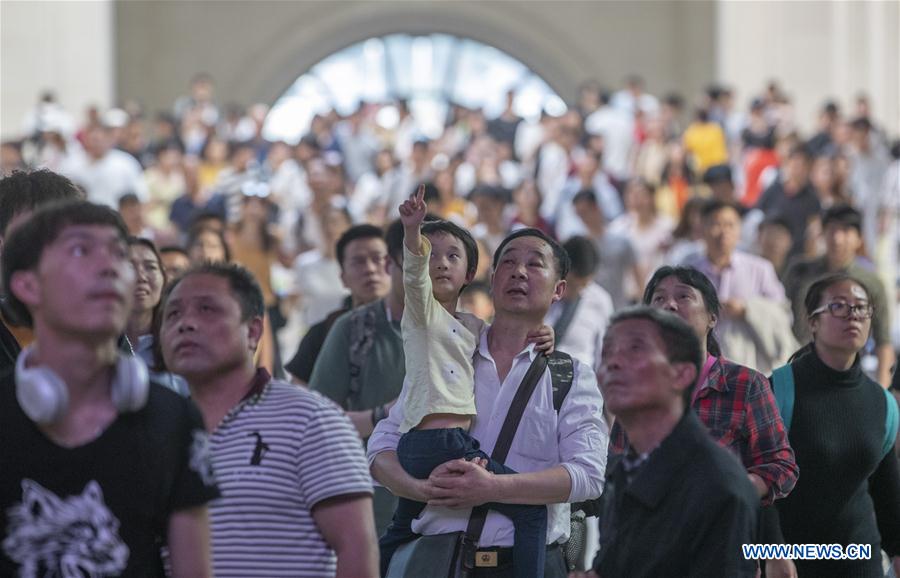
{"type": "Point", "coordinates": [536, 438]}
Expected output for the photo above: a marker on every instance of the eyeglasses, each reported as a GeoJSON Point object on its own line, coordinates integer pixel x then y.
{"type": "Point", "coordinates": [843, 310]}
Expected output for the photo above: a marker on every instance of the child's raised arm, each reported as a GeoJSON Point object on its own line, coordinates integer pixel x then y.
{"type": "Point", "coordinates": [412, 213]}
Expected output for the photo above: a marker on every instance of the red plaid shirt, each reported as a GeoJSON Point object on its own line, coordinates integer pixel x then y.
{"type": "Point", "coordinates": [738, 408]}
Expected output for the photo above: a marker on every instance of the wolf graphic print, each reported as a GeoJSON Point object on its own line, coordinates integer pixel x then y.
{"type": "Point", "coordinates": [72, 537]}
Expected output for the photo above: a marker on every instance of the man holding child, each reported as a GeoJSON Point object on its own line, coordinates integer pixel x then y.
{"type": "Point", "coordinates": [559, 455]}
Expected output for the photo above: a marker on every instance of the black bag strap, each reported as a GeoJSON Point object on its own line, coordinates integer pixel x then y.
{"type": "Point", "coordinates": [501, 449]}
{"type": "Point", "coordinates": [569, 308]}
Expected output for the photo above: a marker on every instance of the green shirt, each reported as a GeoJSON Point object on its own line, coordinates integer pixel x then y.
{"type": "Point", "coordinates": [381, 380]}
{"type": "Point", "coordinates": [800, 276]}
{"type": "Point", "coordinates": [381, 376]}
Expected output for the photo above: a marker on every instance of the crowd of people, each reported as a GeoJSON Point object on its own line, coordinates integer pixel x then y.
{"type": "Point", "coordinates": [679, 287]}
{"type": "Point", "coordinates": [632, 172]}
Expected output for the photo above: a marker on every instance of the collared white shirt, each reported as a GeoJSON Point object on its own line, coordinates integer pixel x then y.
{"type": "Point", "coordinates": [583, 339]}
{"type": "Point", "coordinates": [105, 180]}
{"type": "Point", "coordinates": [576, 439]}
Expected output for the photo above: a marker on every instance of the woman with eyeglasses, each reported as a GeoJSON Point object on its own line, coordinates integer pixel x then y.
{"type": "Point", "coordinates": [849, 486]}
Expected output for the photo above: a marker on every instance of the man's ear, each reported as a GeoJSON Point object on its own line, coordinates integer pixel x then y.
{"type": "Point", "coordinates": [255, 328]}
{"type": "Point", "coordinates": [713, 321]}
{"type": "Point", "coordinates": [685, 375]}
{"type": "Point", "coordinates": [559, 290]}
{"type": "Point", "coordinates": [24, 285]}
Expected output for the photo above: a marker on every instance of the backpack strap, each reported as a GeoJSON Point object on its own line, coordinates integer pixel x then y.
{"type": "Point", "coordinates": [783, 388]}
{"type": "Point", "coordinates": [562, 372]}
{"type": "Point", "coordinates": [569, 308]}
{"type": "Point", "coordinates": [891, 423]}
{"type": "Point", "coordinates": [362, 338]}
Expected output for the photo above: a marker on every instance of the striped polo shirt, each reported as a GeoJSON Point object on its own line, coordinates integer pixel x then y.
{"type": "Point", "coordinates": [278, 453]}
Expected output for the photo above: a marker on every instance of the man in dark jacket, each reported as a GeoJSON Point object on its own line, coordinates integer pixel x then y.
{"type": "Point", "coordinates": [676, 503]}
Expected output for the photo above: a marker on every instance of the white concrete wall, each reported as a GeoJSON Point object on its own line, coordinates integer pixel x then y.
{"type": "Point", "coordinates": [255, 50]}
{"type": "Point", "coordinates": [98, 52]}
{"type": "Point", "coordinates": [815, 50]}
{"type": "Point", "coordinates": [64, 46]}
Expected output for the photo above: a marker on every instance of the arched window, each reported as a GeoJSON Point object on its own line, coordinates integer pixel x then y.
{"type": "Point", "coordinates": [430, 72]}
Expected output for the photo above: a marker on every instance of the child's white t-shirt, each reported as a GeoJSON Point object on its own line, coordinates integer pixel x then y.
{"type": "Point", "coordinates": [438, 347]}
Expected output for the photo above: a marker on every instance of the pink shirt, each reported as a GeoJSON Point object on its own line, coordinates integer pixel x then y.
{"type": "Point", "coordinates": [704, 374]}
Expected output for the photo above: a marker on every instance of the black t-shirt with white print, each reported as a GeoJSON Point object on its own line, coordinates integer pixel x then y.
{"type": "Point", "coordinates": [100, 509]}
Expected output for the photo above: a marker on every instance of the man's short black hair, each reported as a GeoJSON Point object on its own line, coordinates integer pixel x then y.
{"type": "Point", "coordinates": [493, 193]}
{"type": "Point", "coordinates": [583, 256]}
{"type": "Point", "coordinates": [585, 196]}
{"type": "Point", "coordinates": [236, 146]}
{"type": "Point", "coordinates": [800, 150]}
{"type": "Point", "coordinates": [173, 249]}
{"type": "Point", "coordinates": [356, 233]}
{"type": "Point", "coordinates": [201, 220]}
{"type": "Point", "coordinates": [28, 190]}
{"type": "Point", "coordinates": [171, 144]}
{"type": "Point", "coordinates": [393, 236]}
{"type": "Point", "coordinates": [682, 344]}
{"type": "Point", "coordinates": [243, 285]}
{"type": "Point", "coordinates": [674, 100]}
{"type": "Point", "coordinates": [862, 124]}
{"type": "Point", "coordinates": [560, 256]}
{"type": "Point", "coordinates": [25, 246]}
{"type": "Point", "coordinates": [451, 228]}
{"type": "Point", "coordinates": [718, 174]}
{"type": "Point", "coordinates": [776, 220]}
{"type": "Point", "coordinates": [844, 215]}
{"type": "Point", "coordinates": [128, 199]}
{"type": "Point", "coordinates": [713, 206]}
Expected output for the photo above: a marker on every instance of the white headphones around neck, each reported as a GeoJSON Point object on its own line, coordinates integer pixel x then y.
{"type": "Point", "coordinates": [44, 397]}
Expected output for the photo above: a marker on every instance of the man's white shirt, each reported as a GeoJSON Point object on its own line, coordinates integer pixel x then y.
{"type": "Point", "coordinates": [583, 339]}
{"type": "Point", "coordinates": [576, 439]}
{"type": "Point", "coordinates": [107, 179]}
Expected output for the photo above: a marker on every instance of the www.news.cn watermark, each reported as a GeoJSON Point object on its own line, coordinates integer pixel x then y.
{"type": "Point", "coordinates": [807, 551]}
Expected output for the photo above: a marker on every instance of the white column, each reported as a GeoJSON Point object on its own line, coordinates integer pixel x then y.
{"type": "Point", "coordinates": [817, 49]}
{"type": "Point", "coordinates": [66, 47]}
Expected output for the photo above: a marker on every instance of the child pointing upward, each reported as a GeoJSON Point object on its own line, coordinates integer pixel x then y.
{"type": "Point", "coordinates": [439, 260]}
